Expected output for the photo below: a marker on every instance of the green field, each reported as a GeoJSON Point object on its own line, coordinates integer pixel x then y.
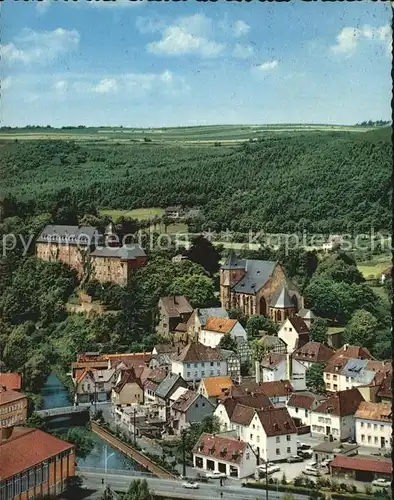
{"type": "Point", "coordinates": [225, 134]}
{"type": "Point", "coordinates": [138, 213]}
{"type": "Point", "coordinates": [374, 268]}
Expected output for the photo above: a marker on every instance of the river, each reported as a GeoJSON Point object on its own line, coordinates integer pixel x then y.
{"type": "Point", "coordinates": [55, 395]}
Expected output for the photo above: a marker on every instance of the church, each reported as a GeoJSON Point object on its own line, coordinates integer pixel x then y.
{"type": "Point", "coordinates": [258, 287]}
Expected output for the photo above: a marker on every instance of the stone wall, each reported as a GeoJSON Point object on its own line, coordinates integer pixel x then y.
{"type": "Point", "coordinates": [72, 255]}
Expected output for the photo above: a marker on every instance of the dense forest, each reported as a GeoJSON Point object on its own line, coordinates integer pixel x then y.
{"type": "Point", "coordinates": [321, 182]}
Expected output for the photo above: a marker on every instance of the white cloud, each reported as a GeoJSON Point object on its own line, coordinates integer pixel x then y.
{"type": "Point", "coordinates": [60, 86]}
{"type": "Point", "coordinates": [190, 35]}
{"type": "Point", "coordinates": [106, 86]}
{"type": "Point", "coordinates": [240, 28]}
{"type": "Point", "coordinates": [268, 66]}
{"type": "Point", "coordinates": [39, 46]}
{"type": "Point", "coordinates": [347, 40]}
{"type": "Point", "coordinates": [243, 51]}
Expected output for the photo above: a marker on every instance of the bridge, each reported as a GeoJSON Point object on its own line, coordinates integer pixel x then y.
{"type": "Point", "coordinates": [65, 411]}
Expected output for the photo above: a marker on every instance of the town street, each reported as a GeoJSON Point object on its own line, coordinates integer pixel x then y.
{"type": "Point", "coordinates": [174, 488]}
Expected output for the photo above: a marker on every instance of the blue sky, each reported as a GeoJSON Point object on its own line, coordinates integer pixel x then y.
{"type": "Point", "coordinates": [185, 63]}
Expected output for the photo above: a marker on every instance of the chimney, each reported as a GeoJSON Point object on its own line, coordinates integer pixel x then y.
{"type": "Point", "coordinates": [257, 369]}
{"type": "Point", "coordinates": [289, 370]}
{"type": "Point", "coordinates": [6, 433]}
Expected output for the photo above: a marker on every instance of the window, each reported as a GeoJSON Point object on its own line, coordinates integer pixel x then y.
{"type": "Point", "coordinates": [362, 424]}
{"type": "Point", "coordinates": [334, 377]}
{"type": "Point", "coordinates": [211, 373]}
{"type": "Point", "coordinates": [375, 426]}
{"type": "Point", "coordinates": [278, 439]}
{"type": "Point", "coordinates": [288, 449]}
{"type": "Point", "coordinates": [369, 439]}
{"type": "Point", "coordinates": [335, 387]}
{"type": "Point", "coordinates": [251, 436]}
{"type": "Point", "coordinates": [188, 365]}
{"type": "Point", "coordinates": [290, 329]}
{"type": "Point", "coordinates": [195, 365]}
{"type": "Point", "coordinates": [362, 437]}
{"type": "Point", "coordinates": [328, 386]}
{"type": "Point", "coordinates": [187, 374]}
{"type": "Point", "coordinates": [196, 405]}
{"type": "Point", "coordinates": [328, 376]}
{"type": "Point", "coordinates": [277, 451]}
{"type": "Point", "coordinates": [382, 427]}
{"type": "Point", "coordinates": [306, 413]}
{"type": "Point", "coordinates": [211, 363]}
{"type": "Point", "coordinates": [202, 374]}
{"type": "Point", "coordinates": [203, 405]}
{"type": "Point", "coordinates": [369, 426]}
{"type": "Point", "coordinates": [375, 439]}
{"type": "Point", "coordinates": [254, 427]}
{"type": "Point", "coordinates": [296, 410]}
{"type": "Point", "coordinates": [32, 478]}
{"type": "Point", "coordinates": [288, 437]}
{"type": "Point", "coordinates": [258, 439]}
{"type": "Point", "coordinates": [218, 363]}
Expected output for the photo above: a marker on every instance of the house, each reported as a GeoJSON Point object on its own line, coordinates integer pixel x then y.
{"type": "Point", "coordinates": [11, 381]}
{"type": "Point", "coordinates": [95, 385]}
{"type": "Point", "coordinates": [294, 332]}
{"type": "Point", "coordinates": [199, 318]}
{"type": "Point", "coordinates": [197, 361]}
{"type": "Point", "coordinates": [173, 212]}
{"type": "Point", "coordinates": [132, 417]}
{"type": "Point", "coordinates": [165, 390]}
{"type": "Point", "coordinates": [128, 390]}
{"type": "Point", "coordinates": [13, 407]}
{"type": "Point", "coordinates": [189, 407]}
{"type": "Point", "coordinates": [308, 316]}
{"type": "Point", "coordinates": [116, 264]}
{"type": "Point", "coordinates": [278, 391]}
{"type": "Point", "coordinates": [351, 351]}
{"type": "Point", "coordinates": [313, 352]}
{"type": "Point", "coordinates": [300, 405]}
{"type": "Point", "coordinates": [88, 361]}
{"type": "Point", "coordinates": [258, 287]}
{"type": "Point", "coordinates": [333, 242]}
{"type": "Point", "coordinates": [276, 367]}
{"type": "Point", "coordinates": [216, 328]}
{"type": "Point", "coordinates": [328, 450]}
{"type": "Point", "coordinates": [362, 467]}
{"type": "Point", "coordinates": [150, 380]}
{"type": "Point", "coordinates": [335, 416]}
{"type": "Point", "coordinates": [385, 392]}
{"type": "Point", "coordinates": [214, 387]}
{"type": "Point", "coordinates": [345, 373]}
{"type": "Point", "coordinates": [374, 423]}
{"type": "Point", "coordinates": [273, 344]}
{"type": "Point", "coordinates": [224, 453]}
{"type": "Point", "coordinates": [68, 244]}
{"type": "Point", "coordinates": [128, 360]}
{"type": "Point", "coordinates": [233, 361]}
{"type": "Point", "coordinates": [34, 464]}
{"type": "Point", "coordinates": [172, 311]}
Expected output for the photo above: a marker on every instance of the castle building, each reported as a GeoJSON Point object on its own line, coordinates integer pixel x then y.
{"type": "Point", "coordinates": [116, 264]}
{"type": "Point", "coordinates": [68, 244]}
{"type": "Point", "coordinates": [258, 287]}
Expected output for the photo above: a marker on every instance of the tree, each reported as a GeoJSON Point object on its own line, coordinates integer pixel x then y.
{"type": "Point", "coordinates": [314, 378]}
{"type": "Point", "coordinates": [318, 330]}
{"type": "Point", "coordinates": [258, 350]}
{"type": "Point", "coordinates": [361, 329]}
{"type": "Point", "coordinates": [228, 342]}
{"type": "Point", "coordinates": [288, 496]}
{"type": "Point", "coordinates": [339, 267]}
{"type": "Point", "coordinates": [82, 440]}
{"type": "Point", "coordinates": [199, 290]}
{"type": "Point", "coordinates": [37, 422]}
{"type": "Point", "coordinates": [238, 314]}
{"type": "Point", "coordinates": [204, 253]}
{"type": "Point", "coordinates": [257, 323]}
{"type": "Point", "coordinates": [139, 490]}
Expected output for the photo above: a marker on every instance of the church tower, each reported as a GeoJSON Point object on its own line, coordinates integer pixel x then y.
{"type": "Point", "coordinates": [232, 271]}
{"type": "Point", "coordinates": [282, 307]}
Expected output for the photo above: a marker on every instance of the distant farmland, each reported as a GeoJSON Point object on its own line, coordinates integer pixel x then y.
{"type": "Point", "coordinates": [225, 134]}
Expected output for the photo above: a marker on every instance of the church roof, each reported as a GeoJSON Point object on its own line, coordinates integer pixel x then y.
{"type": "Point", "coordinates": [282, 299]}
{"type": "Point", "coordinates": [232, 262]}
{"type": "Point", "coordinates": [306, 314]}
{"type": "Point", "coordinates": [257, 273]}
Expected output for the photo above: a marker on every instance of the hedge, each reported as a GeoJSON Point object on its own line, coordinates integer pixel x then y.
{"type": "Point", "coordinates": [281, 487]}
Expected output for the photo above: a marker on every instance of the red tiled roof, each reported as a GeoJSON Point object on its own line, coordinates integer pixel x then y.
{"type": "Point", "coordinates": [352, 351]}
{"type": "Point", "coordinates": [299, 324]}
{"type": "Point", "coordinates": [276, 388]}
{"type": "Point", "coordinates": [315, 352]}
{"type": "Point", "coordinates": [277, 422]}
{"type": "Point", "coordinates": [222, 448]}
{"type": "Point", "coordinates": [12, 381]}
{"type": "Point", "coordinates": [184, 401]}
{"type": "Point", "coordinates": [220, 325]}
{"type": "Point", "coordinates": [215, 386]}
{"type": "Point", "coordinates": [127, 377]}
{"type": "Point", "coordinates": [374, 411]}
{"type": "Point", "coordinates": [341, 403]}
{"type": "Point", "coordinates": [176, 305]}
{"type": "Point", "coordinates": [9, 396]}
{"type": "Point", "coordinates": [305, 401]}
{"type": "Point", "coordinates": [26, 448]}
{"type": "Point", "coordinates": [385, 390]}
{"type": "Point", "coordinates": [272, 360]}
{"type": "Point", "coordinates": [360, 463]}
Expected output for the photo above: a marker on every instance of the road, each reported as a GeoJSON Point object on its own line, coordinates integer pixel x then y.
{"type": "Point", "coordinates": [174, 488]}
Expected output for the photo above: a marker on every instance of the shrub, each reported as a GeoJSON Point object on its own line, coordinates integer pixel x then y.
{"type": "Point", "coordinates": [368, 489]}
{"type": "Point", "coordinates": [284, 480]}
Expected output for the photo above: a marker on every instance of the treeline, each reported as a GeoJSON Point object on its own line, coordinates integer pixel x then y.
{"type": "Point", "coordinates": [316, 182]}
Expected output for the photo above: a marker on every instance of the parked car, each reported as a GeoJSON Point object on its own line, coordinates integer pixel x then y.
{"type": "Point", "coordinates": [191, 485]}
{"type": "Point", "coordinates": [215, 475]}
{"type": "Point", "coordinates": [303, 446]}
{"type": "Point", "coordinates": [383, 483]}
{"type": "Point", "coordinates": [310, 471]}
{"type": "Point", "coordinates": [311, 463]}
{"type": "Point", "coordinates": [305, 454]}
{"type": "Point", "coordinates": [271, 469]}
{"type": "Point", "coordinates": [294, 459]}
